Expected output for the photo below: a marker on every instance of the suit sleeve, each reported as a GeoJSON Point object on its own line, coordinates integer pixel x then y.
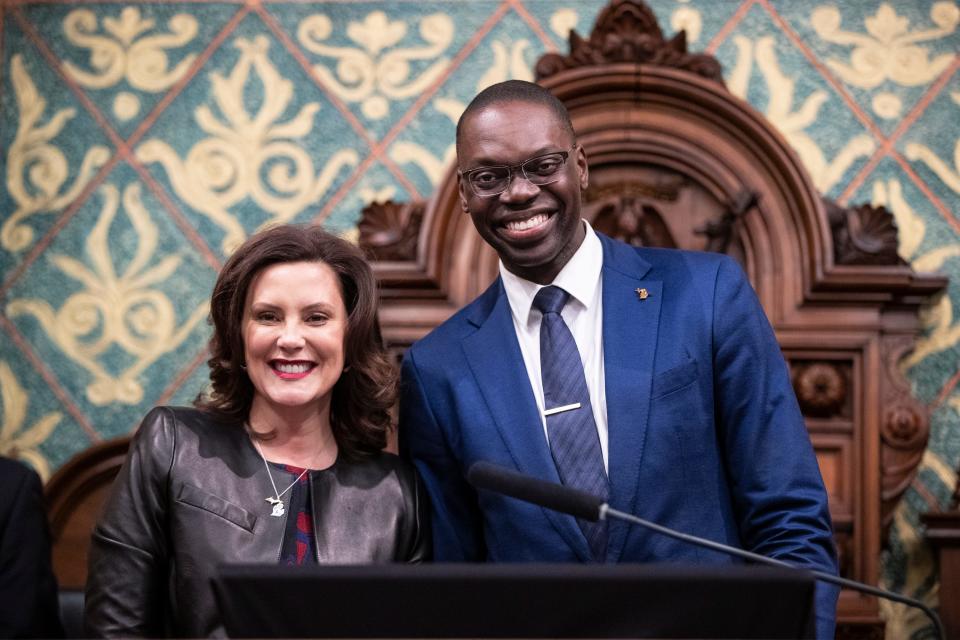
{"type": "Point", "coordinates": [775, 482]}
{"type": "Point", "coordinates": [28, 589]}
{"type": "Point", "coordinates": [126, 593]}
{"type": "Point", "coordinates": [455, 517]}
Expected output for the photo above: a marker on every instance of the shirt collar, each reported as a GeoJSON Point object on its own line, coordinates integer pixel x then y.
{"type": "Point", "coordinates": [579, 277]}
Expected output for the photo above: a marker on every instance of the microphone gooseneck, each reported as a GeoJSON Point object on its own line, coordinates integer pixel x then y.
{"type": "Point", "coordinates": [486, 475]}
{"type": "Point", "coordinates": [755, 557]}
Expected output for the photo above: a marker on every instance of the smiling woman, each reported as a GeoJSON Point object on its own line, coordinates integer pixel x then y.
{"type": "Point", "coordinates": [293, 347]}
{"type": "Point", "coordinates": [282, 462]}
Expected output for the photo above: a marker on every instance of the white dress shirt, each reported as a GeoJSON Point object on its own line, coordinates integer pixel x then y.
{"type": "Point", "coordinates": [583, 313]}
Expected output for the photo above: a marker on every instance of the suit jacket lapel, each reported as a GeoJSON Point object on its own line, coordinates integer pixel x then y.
{"type": "Point", "coordinates": [497, 364]}
{"type": "Point", "coordinates": [630, 324]}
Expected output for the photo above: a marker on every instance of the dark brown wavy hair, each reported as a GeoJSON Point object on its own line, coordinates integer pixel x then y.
{"type": "Point", "coordinates": [362, 397]}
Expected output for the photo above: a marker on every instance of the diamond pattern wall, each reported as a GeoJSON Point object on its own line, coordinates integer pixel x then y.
{"type": "Point", "coordinates": [142, 141]}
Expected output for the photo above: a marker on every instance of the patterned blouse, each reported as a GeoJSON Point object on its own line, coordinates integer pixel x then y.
{"type": "Point", "coordinates": [299, 546]}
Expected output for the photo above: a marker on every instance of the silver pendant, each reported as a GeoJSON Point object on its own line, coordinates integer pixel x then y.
{"type": "Point", "coordinates": [277, 507]}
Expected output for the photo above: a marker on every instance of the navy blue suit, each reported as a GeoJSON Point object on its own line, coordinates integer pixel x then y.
{"type": "Point", "coordinates": [705, 434]}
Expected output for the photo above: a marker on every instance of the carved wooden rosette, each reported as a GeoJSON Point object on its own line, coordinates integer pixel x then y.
{"type": "Point", "coordinates": [822, 389]}
{"type": "Point", "coordinates": [388, 230]}
{"type": "Point", "coordinates": [678, 161]}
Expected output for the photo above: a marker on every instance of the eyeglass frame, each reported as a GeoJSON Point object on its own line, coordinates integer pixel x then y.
{"type": "Point", "coordinates": [512, 171]}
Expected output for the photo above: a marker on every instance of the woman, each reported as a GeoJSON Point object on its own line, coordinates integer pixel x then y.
{"type": "Point", "coordinates": [282, 462]}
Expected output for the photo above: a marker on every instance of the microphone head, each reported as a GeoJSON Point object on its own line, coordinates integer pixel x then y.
{"type": "Point", "coordinates": [485, 475]}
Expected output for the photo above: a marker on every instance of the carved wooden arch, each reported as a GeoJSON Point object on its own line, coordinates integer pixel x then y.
{"type": "Point", "coordinates": [676, 160]}
{"type": "Point", "coordinates": [75, 496]}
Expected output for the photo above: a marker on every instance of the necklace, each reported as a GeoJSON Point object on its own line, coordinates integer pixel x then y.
{"type": "Point", "coordinates": [275, 500]}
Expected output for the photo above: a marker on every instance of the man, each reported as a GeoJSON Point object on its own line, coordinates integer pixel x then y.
{"type": "Point", "coordinates": [28, 589]}
{"type": "Point", "coordinates": [674, 403]}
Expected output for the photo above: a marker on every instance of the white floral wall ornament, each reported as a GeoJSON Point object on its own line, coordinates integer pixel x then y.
{"type": "Point", "coordinates": [889, 50]}
{"type": "Point", "coordinates": [793, 122]}
{"type": "Point", "coordinates": [911, 228]}
{"type": "Point", "coordinates": [950, 176]}
{"type": "Point", "coordinates": [942, 332]}
{"type": "Point", "coordinates": [509, 62]}
{"type": "Point", "coordinates": [432, 165]}
{"type": "Point", "coordinates": [123, 50]}
{"type": "Point", "coordinates": [15, 440]}
{"type": "Point", "coordinates": [37, 170]}
{"type": "Point", "coordinates": [687, 19]}
{"type": "Point", "coordinates": [377, 71]}
{"type": "Point", "coordinates": [249, 155]}
{"type": "Point", "coordinates": [563, 21]}
{"type": "Point", "coordinates": [124, 310]}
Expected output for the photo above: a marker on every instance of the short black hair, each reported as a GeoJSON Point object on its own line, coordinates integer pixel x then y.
{"type": "Point", "coordinates": [516, 91]}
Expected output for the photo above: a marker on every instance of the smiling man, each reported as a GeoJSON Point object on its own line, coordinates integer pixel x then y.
{"type": "Point", "coordinates": [650, 377]}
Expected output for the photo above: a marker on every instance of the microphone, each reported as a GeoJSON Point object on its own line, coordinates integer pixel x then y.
{"type": "Point", "coordinates": [486, 475]}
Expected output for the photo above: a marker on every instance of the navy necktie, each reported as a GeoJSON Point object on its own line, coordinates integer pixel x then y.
{"type": "Point", "coordinates": [571, 429]}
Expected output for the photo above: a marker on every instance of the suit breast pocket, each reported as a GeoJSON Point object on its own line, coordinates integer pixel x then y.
{"type": "Point", "coordinates": [680, 430]}
{"type": "Point", "coordinates": [674, 379]}
{"type": "Point", "coordinates": [191, 495]}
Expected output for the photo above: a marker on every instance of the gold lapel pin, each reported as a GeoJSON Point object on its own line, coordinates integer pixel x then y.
{"type": "Point", "coordinates": [642, 293]}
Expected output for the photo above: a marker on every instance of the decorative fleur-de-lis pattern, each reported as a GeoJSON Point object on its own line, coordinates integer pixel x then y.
{"type": "Point", "coordinates": [142, 141]}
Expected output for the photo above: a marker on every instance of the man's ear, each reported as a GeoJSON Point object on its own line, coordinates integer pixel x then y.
{"type": "Point", "coordinates": [461, 189]}
{"type": "Point", "coordinates": [582, 170]}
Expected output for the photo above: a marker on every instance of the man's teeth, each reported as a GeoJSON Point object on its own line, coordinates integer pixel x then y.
{"type": "Point", "coordinates": [529, 223]}
{"type": "Point", "coordinates": [293, 368]}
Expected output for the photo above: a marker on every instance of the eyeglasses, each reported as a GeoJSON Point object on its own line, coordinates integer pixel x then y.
{"type": "Point", "coordinates": [492, 181]}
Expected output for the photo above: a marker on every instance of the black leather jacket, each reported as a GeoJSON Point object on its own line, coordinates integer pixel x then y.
{"type": "Point", "coordinates": [191, 496]}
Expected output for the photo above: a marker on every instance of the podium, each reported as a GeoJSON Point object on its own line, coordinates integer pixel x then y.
{"type": "Point", "coordinates": [515, 601]}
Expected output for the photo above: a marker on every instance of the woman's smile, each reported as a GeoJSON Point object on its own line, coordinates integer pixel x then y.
{"type": "Point", "coordinates": [293, 369]}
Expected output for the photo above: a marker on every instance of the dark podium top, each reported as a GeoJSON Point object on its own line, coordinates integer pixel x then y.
{"type": "Point", "coordinates": [515, 601]}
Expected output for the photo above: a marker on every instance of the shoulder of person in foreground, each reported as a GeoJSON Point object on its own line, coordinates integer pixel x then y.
{"type": "Point", "coordinates": [28, 589]}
